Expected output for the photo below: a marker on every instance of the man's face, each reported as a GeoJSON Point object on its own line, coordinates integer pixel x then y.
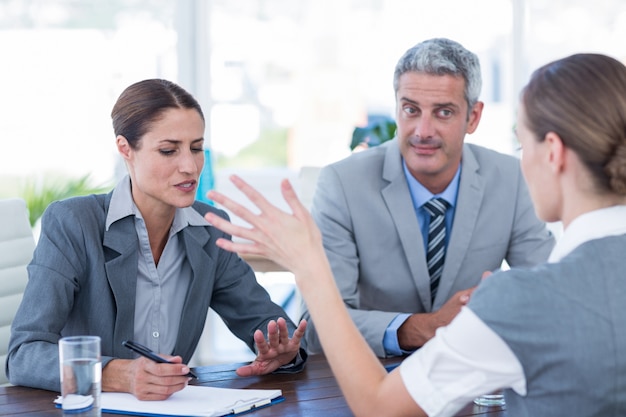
{"type": "Point", "coordinates": [432, 118]}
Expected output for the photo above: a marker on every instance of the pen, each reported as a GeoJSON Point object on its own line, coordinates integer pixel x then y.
{"type": "Point", "coordinates": [145, 352]}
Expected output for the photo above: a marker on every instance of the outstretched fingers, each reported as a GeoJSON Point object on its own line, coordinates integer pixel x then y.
{"type": "Point", "coordinates": [283, 332]}
{"type": "Point", "coordinates": [289, 239]}
{"type": "Point", "coordinates": [298, 334]}
{"type": "Point", "coordinates": [262, 344]}
{"type": "Point", "coordinates": [253, 195]}
{"type": "Point", "coordinates": [290, 196]}
{"type": "Point", "coordinates": [259, 222]}
{"type": "Point", "coordinates": [233, 206]}
{"type": "Point", "coordinates": [227, 227]}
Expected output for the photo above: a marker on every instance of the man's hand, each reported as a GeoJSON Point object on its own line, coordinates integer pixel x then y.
{"type": "Point", "coordinates": [146, 379]}
{"type": "Point", "coordinates": [275, 351]}
{"type": "Point", "coordinates": [420, 328]}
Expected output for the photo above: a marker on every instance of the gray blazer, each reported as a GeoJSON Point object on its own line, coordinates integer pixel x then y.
{"type": "Point", "coordinates": [571, 342]}
{"type": "Point", "coordinates": [82, 281]}
{"type": "Point", "coordinates": [372, 237]}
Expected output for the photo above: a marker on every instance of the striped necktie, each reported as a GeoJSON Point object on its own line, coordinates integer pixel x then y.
{"type": "Point", "coordinates": [435, 253]}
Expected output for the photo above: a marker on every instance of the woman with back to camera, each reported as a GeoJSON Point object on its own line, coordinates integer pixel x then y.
{"type": "Point", "coordinates": [553, 336]}
{"type": "Point", "coordinates": [140, 263]}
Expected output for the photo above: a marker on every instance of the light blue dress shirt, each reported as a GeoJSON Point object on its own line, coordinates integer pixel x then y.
{"type": "Point", "coordinates": [419, 196]}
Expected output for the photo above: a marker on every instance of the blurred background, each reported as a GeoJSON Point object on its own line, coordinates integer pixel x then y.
{"type": "Point", "coordinates": [282, 83]}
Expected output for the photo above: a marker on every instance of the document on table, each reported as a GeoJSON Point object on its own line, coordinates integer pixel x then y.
{"type": "Point", "coordinates": [194, 400]}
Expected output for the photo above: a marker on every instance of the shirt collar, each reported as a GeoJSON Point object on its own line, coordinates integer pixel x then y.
{"type": "Point", "coordinates": [122, 205]}
{"type": "Point", "coordinates": [610, 221]}
{"type": "Point", "coordinates": [421, 195]}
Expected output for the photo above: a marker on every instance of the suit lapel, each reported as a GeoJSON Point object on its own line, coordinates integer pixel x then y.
{"type": "Point", "coordinates": [120, 243]}
{"type": "Point", "coordinates": [470, 196]}
{"type": "Point", "coordinates": [198, 296]}
{"type": "Point", "coordinates": [398, 200]}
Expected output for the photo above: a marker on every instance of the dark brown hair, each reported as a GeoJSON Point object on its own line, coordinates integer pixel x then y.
{"type": "Point", "coordinates": [143, 103]}
{"type": "Point", "coordinates": [582, 98]}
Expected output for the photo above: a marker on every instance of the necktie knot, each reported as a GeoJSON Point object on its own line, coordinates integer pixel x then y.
{"type": "Point", "coordinates": [436, 206]}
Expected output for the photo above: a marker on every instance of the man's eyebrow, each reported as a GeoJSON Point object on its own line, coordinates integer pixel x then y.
{"type": "Point", "coordinates": [409, 100]}
{"type": "Point", "coordinates": [436, 105]}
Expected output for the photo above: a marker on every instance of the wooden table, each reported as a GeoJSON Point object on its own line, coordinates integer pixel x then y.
{"type": "Point", "coordinates": [311, 393]}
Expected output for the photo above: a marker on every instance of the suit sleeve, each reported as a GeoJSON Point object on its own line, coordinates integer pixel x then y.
{"type": "Point", "coordinates": [33, 358]}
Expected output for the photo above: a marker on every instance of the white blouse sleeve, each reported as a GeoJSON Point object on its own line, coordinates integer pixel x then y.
{"type": "Point", "coordinates": [464, 360]}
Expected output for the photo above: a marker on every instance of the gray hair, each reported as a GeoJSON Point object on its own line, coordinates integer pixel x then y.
{"type": "Point", "coordinates": [442, 56]}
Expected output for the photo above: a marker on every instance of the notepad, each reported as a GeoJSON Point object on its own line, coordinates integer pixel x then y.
{"type": "Point", "coordinates": [193, 401]}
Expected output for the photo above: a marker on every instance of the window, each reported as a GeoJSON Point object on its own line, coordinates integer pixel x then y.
{"type": "Point", "coordinates": [283, 82]}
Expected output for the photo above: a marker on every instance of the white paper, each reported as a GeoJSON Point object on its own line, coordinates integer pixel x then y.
{"type": "Point", "coordinates": [194, 400]}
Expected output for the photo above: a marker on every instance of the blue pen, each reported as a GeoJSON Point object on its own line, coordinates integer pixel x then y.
{"type": "Point", "coordinates": [145, 352]}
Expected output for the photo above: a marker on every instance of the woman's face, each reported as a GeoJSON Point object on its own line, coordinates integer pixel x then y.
{"type": "Point", "coordinates": [535, 163]}
{"type": "Point", "coordinates": [165, 167]}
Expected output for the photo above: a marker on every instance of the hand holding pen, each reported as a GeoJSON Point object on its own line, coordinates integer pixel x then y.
{"type": "Point", "coordinates": [147, 353]}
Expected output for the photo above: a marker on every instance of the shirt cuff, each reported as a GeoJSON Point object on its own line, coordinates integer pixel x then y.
{"type": "Point", "coordinates": [390, 339]}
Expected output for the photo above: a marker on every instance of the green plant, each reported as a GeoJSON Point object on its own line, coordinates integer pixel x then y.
{"type": "Point", "coordinates": [378, 131]}
{"type": "Point", "coordinates": [39, 194]}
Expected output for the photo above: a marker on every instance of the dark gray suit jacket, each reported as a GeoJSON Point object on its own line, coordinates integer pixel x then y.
{"type": "Point", "coordinates": [82, 281]}
{"type": "Point", "coordinates": [372, 237]}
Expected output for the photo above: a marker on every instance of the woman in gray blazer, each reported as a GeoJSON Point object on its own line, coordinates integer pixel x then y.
{"type": "Point", "coordinates": [553, 336]}
{"type": "Point", "coordinates": [141, 263]}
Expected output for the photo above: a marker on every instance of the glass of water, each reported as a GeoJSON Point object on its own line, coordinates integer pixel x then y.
{"type": "Point", "coordinates": [81, 374]}
{"type": "Point", "coordinates": [496, 398]}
